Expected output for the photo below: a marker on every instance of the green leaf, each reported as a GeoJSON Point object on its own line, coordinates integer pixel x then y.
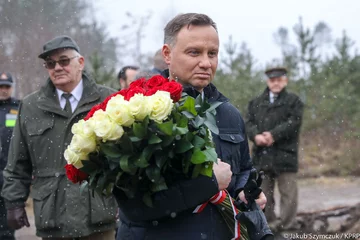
{"type": "Point", "coordinates": [83, 187]}
{"type": "Point", "coordinates": [196, 171]}
{"type": "Point", "coordinates": [199, 121]}
{"type": "Point", "coordinates": [110, 149]}
{"type": "Point", "coordinates": [160, 186]}
{"type": "Point", "coordinates": [198, 142]}
{"type": "Point", "coordinates": [135, 139]}
{"type": "Point", "coordinates": [188, 115]}
{"type": "Point", "coordinates": [153, 174]}
{"type": "Point", "coordinates": [154, 139]}
{"type": "Point", "coordinates": [213, 106]}
{"type": "Point", "coordinates": [183, 121]}
{"type": "Point", "coordinates": [148, 200]}
{"type": "Point", "coordinates": [189, 106]}
{"type": "Point", "coordinates": [108, 190]}
{"type": "Point", "coordinates": [89, 167]}
{"type": "Point", "coordinates": [166, 127]}
{"type": "Point", "coordinates": [126, 165]}
{"type": "Point", "coordinates": [207, 169]}
{"type": "Point", "coordinates": [182, 146]}
{"type": "Point", "coordinates": [160, 160]}
{"type": "Point", "coordinates": [182, 130]}
{"type": "Point", "coordinates": [143, 160]}
{"type": "Point", "coordinates": [167, 140]}
{"type": "Point", "coordinates": [125, 144]}
{"type": "Point", "coordinates": [140, 129]}
{"type": "Point", "coordinates": [210, 122]}
{"type": "Point", "coordinates": [211, 155]}
{"type": "Point", "coordinates": [198, 157]}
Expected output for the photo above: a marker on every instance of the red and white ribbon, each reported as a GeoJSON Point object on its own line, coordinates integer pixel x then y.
{"type": "Point", "coordinates": [218, 199]}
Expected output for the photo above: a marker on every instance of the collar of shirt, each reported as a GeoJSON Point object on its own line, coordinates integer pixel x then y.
{"type": "Point", "coordinates": [75, 98]}
{"type": "Point", "coordinates": [272, 96]}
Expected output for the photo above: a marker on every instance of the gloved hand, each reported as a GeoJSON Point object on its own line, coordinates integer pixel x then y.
{"type": "Point", "coordinates": [252, 187]}
{"type": "Point", "coordinates": [17, 218]}
{"type": "Point", "coordinates": [255, 222]}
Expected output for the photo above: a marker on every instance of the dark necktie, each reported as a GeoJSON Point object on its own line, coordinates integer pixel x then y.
{"type": "Point", "coordinates": [67, 107]}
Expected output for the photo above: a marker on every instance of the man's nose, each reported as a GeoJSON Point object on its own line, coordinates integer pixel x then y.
{"type": "Point", "coordinates": [58, 67]}
{"type": "Point", "coordinates": [205, 62]}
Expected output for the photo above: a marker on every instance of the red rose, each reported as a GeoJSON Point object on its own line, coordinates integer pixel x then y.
{"type": "Point", "coordinates": [152, 91]}
{"type": "Point", "coordinates": [74, 174]}
{"type": "Point", "coordinates": [174, 88]}
{"type": "Point", "coordinates": [138, 83]}
{"type": "Point", "coordinates": [132, 91]}
{"type": "Point", "coordinates": [123, 92]}
{"type": "Point", "coordinates": [155, 81]}
{"type": "Point", "coordinates": [93, 110]}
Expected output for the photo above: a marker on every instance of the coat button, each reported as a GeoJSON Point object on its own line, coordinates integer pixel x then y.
{"type": "Point", "coordinates": [57, 174]}
{"type": "Point", "coordinates": [232, 137]}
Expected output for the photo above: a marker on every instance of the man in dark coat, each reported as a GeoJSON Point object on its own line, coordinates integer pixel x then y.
{"type": "Point", "coordinates": [8, 111]}
{"type": "Point", "coordinates": [191, 52]}
{"type": "Point", "coordinates": [273, 124]}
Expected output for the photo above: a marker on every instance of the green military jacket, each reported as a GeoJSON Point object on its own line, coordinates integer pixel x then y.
{"type": "Point", "coordinates": [36, 157]}
{"type": "Point", "coordinates": [283, 120]}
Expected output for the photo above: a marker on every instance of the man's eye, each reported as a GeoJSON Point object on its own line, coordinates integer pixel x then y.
{"type": "Point", "coordinates": [212, 54]}
{"type": "Point", "coordinates": [194, 52]}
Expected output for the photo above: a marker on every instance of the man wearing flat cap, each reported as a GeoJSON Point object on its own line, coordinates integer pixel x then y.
{"type": "Point", "coordinates": [273, 125]}
{"type": "Point", "coordinates": [41, 134]}
{"type": "Point", "coordinates": [8, 111]}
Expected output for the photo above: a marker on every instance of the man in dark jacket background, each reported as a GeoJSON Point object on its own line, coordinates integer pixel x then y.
{"type": "Point", "coordinates": [191, 47]}
{"type": "Point", "coordinates": [36, 155]}
{"type": "Point", "coordinates": [8, 112]}
{"type": "Point", "coordinates": [273, 124]}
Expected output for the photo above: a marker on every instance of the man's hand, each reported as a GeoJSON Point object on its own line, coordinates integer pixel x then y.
{"type": "Point", "coordinates": [17, 218]}
{"type": "Point", "coordinates": [260, 140]}
{"type": "Point", "coordinates": [223, 174]}
{"type": "Point", "coordinates": [268, 138]}
{"type": "Point", "coordinates": [261, 200]}
{"type": "Point", "coordinates": [252, 190]}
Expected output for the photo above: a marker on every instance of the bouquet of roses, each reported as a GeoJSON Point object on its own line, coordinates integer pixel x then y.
{"type": "Point", "coordinates": [144, 138]}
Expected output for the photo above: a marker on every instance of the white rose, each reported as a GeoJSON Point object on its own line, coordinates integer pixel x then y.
{"type": "Point", "coordinates": [118, 110]}
{"type": "Point", "coordinates": [83, 144]}
{"type": "Point", "coordinates": [139, 107]}
{"type": "Point", "coordinates": [105, 128]}
{"type": "Point", "coordinates": [73, 157]}
{"type": "Point", "coordinates": [83, 128]}
{"type": "Point", "coordinates": [161, 106]}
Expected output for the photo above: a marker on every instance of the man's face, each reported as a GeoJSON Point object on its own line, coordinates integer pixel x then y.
{"type": "Point", "coordinates": [130, 77]}
{"type": "Point", "coordinates": [277, 84]}
{"type": "Point", "coordinates": [66, 76]}
{"type": "Point", "coordinates": [5, 92]}
{"type": "Point", "coordinates": [193, 57]}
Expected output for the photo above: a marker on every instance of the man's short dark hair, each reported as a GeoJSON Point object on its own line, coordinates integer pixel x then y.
{"type": "Point", "coordinates": [122, 73]}
{"type": "Point", "coordinates": [176, 24]}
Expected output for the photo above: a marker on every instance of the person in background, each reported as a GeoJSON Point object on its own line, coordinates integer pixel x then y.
{"type": "Point", "coordinates": [126, 75]}
{"type": "Point", "coordinates": [8, 113]}
{"type": "Point", "coordinates": [41, 134]}
{"type": "Point", "coordinates": [273, 124]}
{"type": "Point", "coordinates": [159, 63]}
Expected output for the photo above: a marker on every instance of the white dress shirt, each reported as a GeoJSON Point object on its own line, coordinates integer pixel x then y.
{"type": "Point", "coordinates": [272, 97]}
{"type": "Point", "coordinates": [75, 96]}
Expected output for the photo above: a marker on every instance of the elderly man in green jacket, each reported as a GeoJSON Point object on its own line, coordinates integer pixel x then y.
{"type": "Point", "coordinates": [41, 134]}
{"type": "Point", "coordinates": [273, 124]}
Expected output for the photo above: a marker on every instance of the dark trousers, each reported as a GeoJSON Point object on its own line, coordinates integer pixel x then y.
{"type": "Point", "coordinates": [5, 232]}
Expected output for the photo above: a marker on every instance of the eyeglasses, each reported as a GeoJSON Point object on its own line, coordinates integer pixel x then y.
{"type": "Point", "coordinates": [63, 62]}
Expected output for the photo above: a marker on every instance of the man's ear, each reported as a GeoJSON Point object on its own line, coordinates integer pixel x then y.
{"type": "Point", "coordinates": [166, 52]}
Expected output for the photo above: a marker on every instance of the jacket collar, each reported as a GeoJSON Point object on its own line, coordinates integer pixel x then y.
{"type": "Point", "coordinates": [49, 101]}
